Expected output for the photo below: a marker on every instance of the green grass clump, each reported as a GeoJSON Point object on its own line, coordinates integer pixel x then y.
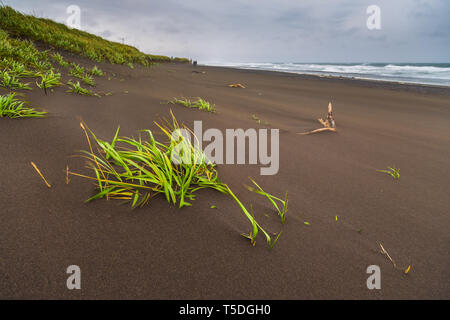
{"type": "Point", "coordinates": [198, 104]}
{"type": "Point", "coordinates": [79, 72]}
{"type": "Point", "coordinates": [60, 60]}
{"type": "Point", "coordinates": [42, 65]}
{"type": "Point", "coordinates": [11, 82]}
{"type": "Point", "coordinates": [49, 80]}
{"type": "Point", "coordinates": [76, 71]}
{"type": "Point", "coordinates": [77, 88]}
{"type": "Point", "coordinates": [14, 108]}
{"type": "Point", "coordinates": [96, 72]}
{"type": "Point", "coordinates": [5, 63]}
{"type": "Point", "coordinates": [393, 172]}
{"type": "Point", "coordinates": [136, 170]}
{"type": "Point", "coordinates": [183, 101]}
{"type": "Point", "coordinates": [19, 70]}
{"type": "Point", "coordinates": [140, 169]}
{"type": "Point", "coordinates": [88, 80]}
{"type": "Point", "coordinates": [204, 105]}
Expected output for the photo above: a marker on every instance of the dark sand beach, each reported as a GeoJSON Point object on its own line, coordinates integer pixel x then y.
{"type": "Point", "coordinates": [161, 252]}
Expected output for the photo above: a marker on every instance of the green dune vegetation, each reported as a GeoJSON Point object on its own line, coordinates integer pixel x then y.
{"type": "Point", "coordinates": [21, 59]}
{"type": "Point", "coordinates": [12, 107]}
{"type": "Point", "coordinates": [136, 170]}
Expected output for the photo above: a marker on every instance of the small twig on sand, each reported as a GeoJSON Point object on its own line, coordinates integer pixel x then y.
{"type": "Point", "coordinates": [383, 251]}
{"type": "Point", "coordinates": [37, 170]}
{"type": "Point", "coordinates": [328, 124]}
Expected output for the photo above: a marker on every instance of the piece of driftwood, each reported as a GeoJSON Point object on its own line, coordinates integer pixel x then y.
{"type": "Point", "coordinates": [236, 85]}
{"type": "Point", "coordinates": [318, 130]}
{"type": "Point", "coordinates": [329, 124]}
{"type": "Point", "coordinates": [329, 120]}
{"type": "Point", "coordinates": [195, 71]}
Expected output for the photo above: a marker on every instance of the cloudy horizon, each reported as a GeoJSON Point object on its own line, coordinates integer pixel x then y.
{"type": "Point", "coordinates": [265, 30]}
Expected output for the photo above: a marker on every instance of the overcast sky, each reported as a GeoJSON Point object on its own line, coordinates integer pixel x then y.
{"type": "Point", "coordinates": [265, 30]}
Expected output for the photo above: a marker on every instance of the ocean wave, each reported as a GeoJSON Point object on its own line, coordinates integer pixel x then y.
{"type": "Point", "coordinates": [423, 73]}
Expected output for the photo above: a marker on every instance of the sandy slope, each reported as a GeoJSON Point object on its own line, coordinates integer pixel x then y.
{"type": "Point", "coordinates": [160, 252]}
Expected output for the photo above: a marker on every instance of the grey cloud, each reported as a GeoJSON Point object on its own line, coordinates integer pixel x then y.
{"type": "Point", "coordinates": [266, 30]}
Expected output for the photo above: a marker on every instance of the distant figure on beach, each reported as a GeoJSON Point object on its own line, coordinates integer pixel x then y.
{"type": "Point", "coordinates": [195, 63]}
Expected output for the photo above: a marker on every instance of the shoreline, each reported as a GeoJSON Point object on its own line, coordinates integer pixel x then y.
{"type": "Point", "coordinates": [387, 84]}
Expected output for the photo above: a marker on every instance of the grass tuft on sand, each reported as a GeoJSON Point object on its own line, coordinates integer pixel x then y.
{"type": "Point", "coordinates": [136, 170]}
{"type": "Point", "coordinates": [78, 89]}
{"type": "Point", "coordinates": [199, 103]}
{"type": "Point", "coordinates": [49, 80]}
{"type": "Point", "coordinates": [14, 108]}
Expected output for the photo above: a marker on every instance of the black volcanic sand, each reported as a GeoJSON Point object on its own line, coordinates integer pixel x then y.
{"type": "Point", "coordinates": [161, 252]}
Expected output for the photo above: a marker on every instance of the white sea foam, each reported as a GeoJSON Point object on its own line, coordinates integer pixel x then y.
{"type": "Point", "coordinates": [437, 73]}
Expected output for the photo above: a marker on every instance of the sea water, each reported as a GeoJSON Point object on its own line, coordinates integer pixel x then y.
{"type": "Point", "coordinates": [421, 73]}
